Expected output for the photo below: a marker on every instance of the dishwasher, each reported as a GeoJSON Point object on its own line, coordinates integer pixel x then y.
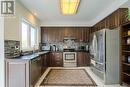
{"type": "Point", "coordinates": [35, 71]}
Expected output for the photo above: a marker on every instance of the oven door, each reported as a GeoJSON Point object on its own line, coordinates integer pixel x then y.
{"type": "Point", "coordinates": [69, 57]}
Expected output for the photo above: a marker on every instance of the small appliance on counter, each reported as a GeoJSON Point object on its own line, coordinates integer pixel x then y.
{"type": "Point", "coordinates": [45, 47]}
{"type": "Point", "coordinates": [54, 48]}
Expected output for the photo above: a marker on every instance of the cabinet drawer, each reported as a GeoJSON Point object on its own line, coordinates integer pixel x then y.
{"type": "Point", "coordinates": [58, 64]}
{"type": "Point", "coordinates": [58, 56]}
{"type": "Point", "coordinates": [58, 59]}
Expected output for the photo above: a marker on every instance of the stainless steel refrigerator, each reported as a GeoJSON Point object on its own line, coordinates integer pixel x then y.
{"type": "Point", "coordinates": [104, 51]}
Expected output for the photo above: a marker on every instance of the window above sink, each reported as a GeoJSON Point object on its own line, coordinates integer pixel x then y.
{"type": "Point", "coordinates": [29, 36]}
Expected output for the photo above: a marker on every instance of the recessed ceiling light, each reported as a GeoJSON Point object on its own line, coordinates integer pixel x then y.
{"type": "Point", "coordinates": [69, 7]}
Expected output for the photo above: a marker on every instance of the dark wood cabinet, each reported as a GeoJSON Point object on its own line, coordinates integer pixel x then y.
{"type": "Point", "coordinates": [25, 70]}
{"type": "Point", "coordinates": [83, 59]}
{"type": "Point", "coordinates": [112, 21]}
{"type": "Point", "coordinates": [57, 34]}
{"type": "Point", "coordinates": [44, 63]}
{"type": "Point", "coordinates": [56, 59]}
{"type": "Point", "coordinates": [45, 59]}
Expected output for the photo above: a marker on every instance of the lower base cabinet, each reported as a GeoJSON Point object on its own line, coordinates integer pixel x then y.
{"type": "Point", "coordinates": [17, 73]}
{"type": "Point", "coordinates": [83, 59]}
{"type": "Point", "coordinates": [56, 59]}
{"type": "Point", "coordinates": [45, 59]}
{"type": "Point", "coordinates": [25, 73]}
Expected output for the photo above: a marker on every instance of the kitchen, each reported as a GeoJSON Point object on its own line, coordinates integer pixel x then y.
{"type": "Point", "coordinates": [46, 47]}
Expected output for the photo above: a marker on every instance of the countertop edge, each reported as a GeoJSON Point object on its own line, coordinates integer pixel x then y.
{"type": "Point", "coordinates": [27, 57]}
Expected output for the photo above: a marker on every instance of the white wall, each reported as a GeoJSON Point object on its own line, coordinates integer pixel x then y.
{"type": "Point", "coordinates": [2, 71]}
{"type": "Point", "coordinates": [10, 30]}
{"type": "Point", "coordinates": [13, 25]}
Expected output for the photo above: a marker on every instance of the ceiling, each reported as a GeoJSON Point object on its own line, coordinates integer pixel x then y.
{"type": "Point", "coordinates": [89, 13]}
{"type": "Point", "coordinates": [126, 5]}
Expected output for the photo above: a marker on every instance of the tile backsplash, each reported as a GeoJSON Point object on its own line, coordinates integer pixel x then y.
{"type": "Point", "coordinates": [60, 46]}
{"type": "Point", "coordinates": [12, 48]}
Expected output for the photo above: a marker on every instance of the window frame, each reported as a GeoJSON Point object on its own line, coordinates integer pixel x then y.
{"type": "Point", "coordinates": [36, 38]}
{"type": "Point", "coordinates": [29, 47]}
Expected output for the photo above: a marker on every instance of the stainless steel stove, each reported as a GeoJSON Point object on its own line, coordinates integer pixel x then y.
{"type": "Point", "coordinates": [69, 59]}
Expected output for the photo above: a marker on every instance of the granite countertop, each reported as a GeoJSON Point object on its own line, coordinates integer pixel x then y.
{"type": "Point", "coordinates": [74, 51]}
{"type": "Point", "coordinates": [28, 57]}
{"type": "Point", "coordinates": [35, 55]}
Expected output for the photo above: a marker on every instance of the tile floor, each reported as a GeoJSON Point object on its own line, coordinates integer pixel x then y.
{"type": "Point", "coordinates": [98, 81]}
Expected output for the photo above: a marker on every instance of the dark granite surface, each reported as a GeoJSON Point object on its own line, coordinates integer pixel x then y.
{"type": "Point", "coordinates": [35, 55]}
{"type": "Point", "coordinates": [74, 51]}
{"type": "Point", "coordinates": [30, 57]}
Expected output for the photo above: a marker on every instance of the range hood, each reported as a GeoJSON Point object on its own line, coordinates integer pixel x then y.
{"type": "Point", "coordinates": [69, 38]}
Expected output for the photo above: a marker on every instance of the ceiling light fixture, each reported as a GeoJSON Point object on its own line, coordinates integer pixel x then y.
{"type": "Point", "coordinates": [69, 7]}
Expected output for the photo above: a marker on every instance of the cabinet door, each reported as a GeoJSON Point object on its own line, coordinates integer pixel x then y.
{"type": "Point", "coordinates": [52, 59]}
{"type": "Point", "coordinates": [44, 35]}
{"type": "Point", "coordinates": [80, 59]}
{"type": "Point", "coordinates": [61, 35]}
{"type": "Point", "coordinates": [48, 60]}
{"type": "Point", "coordinates": [83, 59]}
{"type": "Point", "coordinates": [17, 74]}
{"type": "Point", "coordinates": [44, 63]}
{"type": "Point", "coordinates": [53, 62]}
{"type": "Point", "coordinates": [86, 59]}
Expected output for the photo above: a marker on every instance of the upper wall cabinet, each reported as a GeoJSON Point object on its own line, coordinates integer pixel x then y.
{"type": "Point", "coordinates": [57, 34]}
{"type": "Point", "coordinates": [112, 21]}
